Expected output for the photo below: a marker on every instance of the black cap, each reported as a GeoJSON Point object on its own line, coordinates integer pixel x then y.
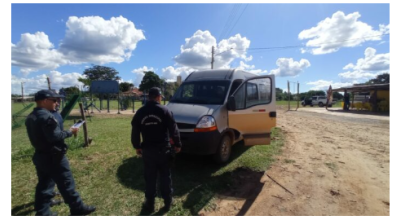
{"type": "Point", "coordinates": [46, 93]}
{"type": "Point", "coordinates": [155, 91]}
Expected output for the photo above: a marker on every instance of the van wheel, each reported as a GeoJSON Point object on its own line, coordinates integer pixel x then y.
{"type": "Point", "coordinates": [224, 150]}
{"type": "Point", "coordinates": [320, 104]}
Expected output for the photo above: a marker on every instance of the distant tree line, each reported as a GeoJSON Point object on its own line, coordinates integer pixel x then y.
{"type": "Point", "coordinates": [151, 79]}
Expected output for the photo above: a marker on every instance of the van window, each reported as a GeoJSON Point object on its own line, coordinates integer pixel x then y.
{"type": "Point", "coordinates": [240, 98]}
{"type": "Point", "coordinates": [187, 91]}
{"type": "Point", "coordinates": [235, 85]}
{"type": "Point", "coordinates": [254, 92]}
{"type": "Point", "coordinates": [258, 92]}
{"type": "Point", "coordinates": [202, 92]}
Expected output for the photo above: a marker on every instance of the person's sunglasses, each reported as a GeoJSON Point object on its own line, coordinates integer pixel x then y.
{"type": "Point", "coordinates": [54, 100]}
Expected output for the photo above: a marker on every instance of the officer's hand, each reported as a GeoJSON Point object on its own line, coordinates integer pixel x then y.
{"type": "Point", "coordinates": [139, 152]}
{"type": "Point", "coordinates": [74, 130]}
{"type": "Point", "coordinates": [177, 149]}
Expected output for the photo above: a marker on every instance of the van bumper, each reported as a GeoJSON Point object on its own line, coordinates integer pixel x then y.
{"type": "Point", "coordinates": [200, 143]}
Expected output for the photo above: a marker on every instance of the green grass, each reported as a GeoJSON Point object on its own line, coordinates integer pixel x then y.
{"type": "Point", "coordinates": [109, 175]}
{"type": "Point", "coordinates": [331, 166]}
{"type": "Point", "coordinates": [289, 161]}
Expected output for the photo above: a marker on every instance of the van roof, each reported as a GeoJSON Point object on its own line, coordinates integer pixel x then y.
{"type": "Point", "coordinates": [220, 74]}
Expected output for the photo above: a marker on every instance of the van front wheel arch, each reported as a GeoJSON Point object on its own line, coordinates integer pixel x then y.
{"type": "Point", "coordinates": [224, 150]}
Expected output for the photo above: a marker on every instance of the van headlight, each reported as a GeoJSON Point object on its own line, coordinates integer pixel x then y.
{"type": "Point", "coordinates": [205, 124]}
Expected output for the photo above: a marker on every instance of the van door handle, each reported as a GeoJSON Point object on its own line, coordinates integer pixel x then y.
{"type": "Point", "coordinates": [272, 114]}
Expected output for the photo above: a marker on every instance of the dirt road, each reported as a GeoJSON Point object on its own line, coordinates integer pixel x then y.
{"type": "Point", "coordinates": [330, 165]}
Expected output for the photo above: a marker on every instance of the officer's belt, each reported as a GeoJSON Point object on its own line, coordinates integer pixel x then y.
{"type": "Point", "coordinates": [156, 146]}
{"type": "Point", "coordinates": [42, 152]}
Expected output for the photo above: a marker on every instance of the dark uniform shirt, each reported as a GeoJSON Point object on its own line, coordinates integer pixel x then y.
{"type": "Point", "coordinates": [59, 119]}
{"type": "Point", "coordinates": [44, 131]}
{"type": "Point", "coordinates": [156, 124]}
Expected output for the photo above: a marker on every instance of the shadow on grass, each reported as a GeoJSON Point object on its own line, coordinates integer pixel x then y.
{"type": "Point", "coordinates": [23, 210]}
{"type": "Point", "coordinates": [195, 176]}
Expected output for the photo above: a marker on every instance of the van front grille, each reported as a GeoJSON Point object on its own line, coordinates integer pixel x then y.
{"type": "Point", "coordinates": [185, 126]}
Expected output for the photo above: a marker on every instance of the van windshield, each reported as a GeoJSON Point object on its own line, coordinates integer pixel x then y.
{"type": "Point", "coordinates": [202, 92]}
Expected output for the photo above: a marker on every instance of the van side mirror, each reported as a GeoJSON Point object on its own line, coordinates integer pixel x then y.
{"type": "Point", "coordinates": [231, 103]}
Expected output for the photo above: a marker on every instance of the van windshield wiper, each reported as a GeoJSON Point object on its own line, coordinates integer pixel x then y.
{"type": "Point", "coordinates": [195, 100]}
{"type": "Point", "coordinates": [177, 100]}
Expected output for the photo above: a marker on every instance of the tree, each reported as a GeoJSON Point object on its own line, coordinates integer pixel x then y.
{"type": "Point", "coordinates": [380, 79]}
{"type": "Point", "coordinates": [279, 94]}
{"type": "Point", "coordinates": [71, 90]}
{"type": "Point", "coordinates": [97, 72]}
{"type": "Point", "coordinates": [150, 80]}
{"type": "Point", "coordinates": [171, 87]}
{"type": "Point", "coordinates": [337, 96]}
{"type": "Point", "coordinates": [316, 93]}
{"type": "Point", "coordinates": [125, 86]}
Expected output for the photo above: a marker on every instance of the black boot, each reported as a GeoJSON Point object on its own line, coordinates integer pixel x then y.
{"type": "Point", "coordinates": [54, 202]}
{"type": "Point", "coordinates": [167, 204]}
{"type": "Point", "coordinates": [83, 210]}
{"type": "Point", "coordinates": [49, 214]}
{"type": "Point", "coordinates": [149, 205]}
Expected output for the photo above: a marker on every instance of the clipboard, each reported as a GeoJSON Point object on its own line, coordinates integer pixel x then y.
{"type": "Point", "coordinates": [78, 124]}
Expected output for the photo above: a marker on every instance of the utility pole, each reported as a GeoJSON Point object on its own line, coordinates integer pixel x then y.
{"type": "Point", "coordinates": [22, 91]}
{"type": "Point", "coordinates": [49, 83]}
{"type": "Point", "coordinates": [212, 57]}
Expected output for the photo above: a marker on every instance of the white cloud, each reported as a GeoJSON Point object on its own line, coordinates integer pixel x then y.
{"type": "Point", "coordinates": [34, 84]}
{"type": "Point", "coordinates": [340, 31]}
{"type": "Point", "coordinates": [170, 73]}
{"type": "Point", "coordinates": [324, 85]}
{"type": "Point", "coordinates": [139, 74]}
{"type": "Point", "coordinates": [87, 40]}
{"type": "Point", "coordinates": [196, 52]}
{"type": "Point", "coordinates": [373, 62]}
{"type": "Point", "coordinates": [230, 49]}
{"type": "Point", "coordinates": [35, 52]}
{"type": "Point", "coordinates": [96, 40]}
{"type": "Point", "coordinates": [368, 67]}
{"type": "Point", "coordinates": [350, 76]}
{"type": "Point", "coordinates": [251, 68]}
{"type": "Point", "coordinates": [288, 67]}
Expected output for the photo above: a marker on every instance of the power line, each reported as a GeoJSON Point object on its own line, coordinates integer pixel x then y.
{"type": "Point", "coordinates": [261, 49]}
{"type": "Point", "coordinates": [315, 45]}
{"type": "Point", "coordinates": [238, 19]}
{"type": "Point", "coordinates": [228, 21]}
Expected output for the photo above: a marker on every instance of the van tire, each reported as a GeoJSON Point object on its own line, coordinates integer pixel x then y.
{"type": "Point", "coordinates": [321, 104]}
{"type": "Point", "coordinates": [224, 150]}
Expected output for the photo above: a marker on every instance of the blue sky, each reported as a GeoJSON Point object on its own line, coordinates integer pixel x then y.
{"type": "Point", "coordinates": [334, 44]}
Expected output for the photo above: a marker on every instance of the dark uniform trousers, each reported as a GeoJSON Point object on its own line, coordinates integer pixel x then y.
{"type": "Point", "coordinates": [50, 171]}
{"type": "Point", "coordinates": [157, 162]}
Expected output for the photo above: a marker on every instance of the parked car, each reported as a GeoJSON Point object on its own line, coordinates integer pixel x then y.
{"type": "Point", "coordinates": [321, 101]}
{"type": "Point", "coordinates": [307, 101]}
{"type": "Point", "coordinates": [215, 109]}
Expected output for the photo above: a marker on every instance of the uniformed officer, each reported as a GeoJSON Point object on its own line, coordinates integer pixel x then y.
{"type": "Point", "coordinates": [60, 121]}
{"type": "Point", "coordinates": [157, 126]}
{"type": "Point", "coordinates": [52, 166]}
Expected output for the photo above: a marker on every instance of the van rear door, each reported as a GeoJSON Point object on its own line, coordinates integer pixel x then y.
{"type": "Point", "coordinates": [255, 112]}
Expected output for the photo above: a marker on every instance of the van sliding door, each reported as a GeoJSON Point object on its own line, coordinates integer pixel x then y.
{"type": "Point", "coordinates": [255, 113]}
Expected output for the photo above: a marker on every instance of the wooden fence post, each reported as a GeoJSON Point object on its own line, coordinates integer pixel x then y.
{"type": "Point", "coordinates": [84, 125]}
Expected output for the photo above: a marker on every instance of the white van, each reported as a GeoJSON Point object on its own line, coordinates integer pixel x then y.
{"type": "Point", "coordinates": [214, 109]}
